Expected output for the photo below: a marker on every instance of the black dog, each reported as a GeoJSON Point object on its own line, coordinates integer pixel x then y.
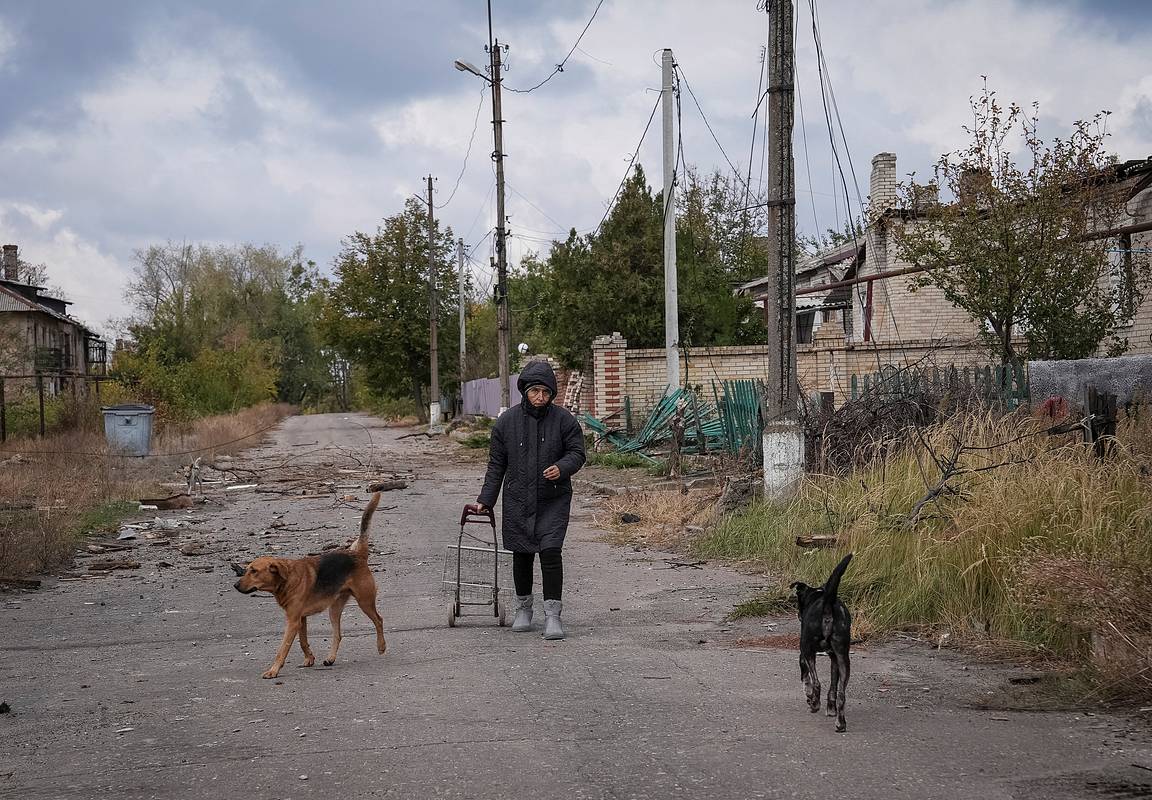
{"type": "Point", "coordinates": [825, 627]}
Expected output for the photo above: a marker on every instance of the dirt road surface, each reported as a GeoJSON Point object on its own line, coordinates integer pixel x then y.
{"type": "Point", "coordinates": [146, 683]}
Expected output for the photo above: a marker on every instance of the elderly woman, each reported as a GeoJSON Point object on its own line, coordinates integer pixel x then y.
{"type": "Point", "coordinates": [536, 448]}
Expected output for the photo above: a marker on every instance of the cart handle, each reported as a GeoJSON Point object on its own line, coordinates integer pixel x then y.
{"type": "Point", "coordinates": [474, 510]}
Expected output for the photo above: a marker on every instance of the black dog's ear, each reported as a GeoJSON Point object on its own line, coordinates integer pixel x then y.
{"type": "Point", "coordinates": [238, 569]}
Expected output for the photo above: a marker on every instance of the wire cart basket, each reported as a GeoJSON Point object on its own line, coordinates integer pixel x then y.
{"type": "Point", "coordinates": [475, 574]}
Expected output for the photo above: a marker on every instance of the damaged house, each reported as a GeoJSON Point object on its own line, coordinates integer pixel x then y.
{"type": "Point", "coordinates": [39, 341]}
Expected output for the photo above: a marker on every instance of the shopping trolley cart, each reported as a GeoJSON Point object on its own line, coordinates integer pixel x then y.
{"type": "Point", "coordinates": [475, 574]}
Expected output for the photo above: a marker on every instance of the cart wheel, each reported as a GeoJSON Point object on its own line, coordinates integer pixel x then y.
{"type": "Point", "coordinates": [452, 615]}
{"type": "Point", "coordinates": [500, 613]}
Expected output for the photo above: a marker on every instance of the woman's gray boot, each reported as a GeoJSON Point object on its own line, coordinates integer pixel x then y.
{"type": "Point", "coordinates": [553, 629]}
{"type": "Point", "coordinates": [523, 619]}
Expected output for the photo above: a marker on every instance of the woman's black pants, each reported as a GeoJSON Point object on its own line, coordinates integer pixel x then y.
{"type": "Point", "coordinates": [551, 572]}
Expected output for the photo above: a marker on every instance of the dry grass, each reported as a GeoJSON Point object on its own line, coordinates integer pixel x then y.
{"type": "Point", "coordinates": [54, 489]}
{"type": "Point", "coordinates": [1037, 557]}
{"type": "Point", "coordinates": [663, 517]}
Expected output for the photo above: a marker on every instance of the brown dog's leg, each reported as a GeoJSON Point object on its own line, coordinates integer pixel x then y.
{"type": "Point", "coordinates": [366, 599]}
{"type": "Point", "coordinates": [290, 631]}
{"type": "Point", "coordinates": [309, 659]}
{"type": "Point", "coordinates": [334, 612]}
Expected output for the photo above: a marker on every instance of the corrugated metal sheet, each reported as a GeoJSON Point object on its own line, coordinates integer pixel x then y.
{"type": "Point", "coordinates": [14, 301]}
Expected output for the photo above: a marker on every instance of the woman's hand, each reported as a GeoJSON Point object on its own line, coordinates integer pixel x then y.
{"type": "Point", "coordinates": [552, 473]}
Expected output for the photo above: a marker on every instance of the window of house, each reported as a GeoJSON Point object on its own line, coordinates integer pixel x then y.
{"type": "Point", "coordinates": [1120, 279]}
{"type": "Point", "coordinates": [805, 322]}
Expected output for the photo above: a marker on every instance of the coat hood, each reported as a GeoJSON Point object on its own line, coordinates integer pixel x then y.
{"type": "Point", "coordinates": [536, 373]}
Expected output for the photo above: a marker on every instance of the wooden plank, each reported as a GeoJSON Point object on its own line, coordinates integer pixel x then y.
{"type": "Point", "coordinates": [816, 541]}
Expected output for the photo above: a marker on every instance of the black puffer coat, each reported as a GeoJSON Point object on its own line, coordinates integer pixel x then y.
{"type": "Point", "coordinates": [525, 442]}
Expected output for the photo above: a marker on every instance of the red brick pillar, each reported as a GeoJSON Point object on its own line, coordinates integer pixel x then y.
{"type": "Point", "coordinates": [609, 359]}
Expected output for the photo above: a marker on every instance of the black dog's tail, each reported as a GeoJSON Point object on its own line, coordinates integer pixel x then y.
{"type": "Point", "coordinates": [832, 586]}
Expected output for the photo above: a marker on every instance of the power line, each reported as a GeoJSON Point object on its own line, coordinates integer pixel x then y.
{"type": "Point", "coordinates": [632, 161]}
{"type": "Point", "coordinates": [468, 152]}
{"type": "Point", "coordinates": [560, 66]}
{"type": "Point", "coordinates": [542, 212]}
{"type": "Point", "coordinates": [707, 124]}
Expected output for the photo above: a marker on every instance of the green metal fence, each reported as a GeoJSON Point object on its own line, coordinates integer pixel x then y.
{"type": "Point", "coordinates": [731, 422]}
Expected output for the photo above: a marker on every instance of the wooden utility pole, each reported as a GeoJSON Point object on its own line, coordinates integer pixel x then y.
{"type": "Point", "coordinates": [780, 302]}
{"type": "Point", "coordinates": [783, 438]}
{"type": "Point", "coordinates": [671, 295]}
{"type": "Point", "coordinates": [433, 327]}
{"type": "Point", "coordinates": [501, 244]}
{"type": "Point", "coordinates": [463, 301]}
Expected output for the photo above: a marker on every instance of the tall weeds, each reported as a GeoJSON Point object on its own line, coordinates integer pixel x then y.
{"type": "Point", "coordinates": [1015, 548]}
{"type": "Point", "coordinates": [49, 487]}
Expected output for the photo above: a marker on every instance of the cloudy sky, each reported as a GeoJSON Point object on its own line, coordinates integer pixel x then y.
{"type": "Point", "coordinates": [134, 122]}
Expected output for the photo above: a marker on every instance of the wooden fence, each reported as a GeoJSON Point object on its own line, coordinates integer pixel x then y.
{"type": "Point", "coordinates": [1007, 385]}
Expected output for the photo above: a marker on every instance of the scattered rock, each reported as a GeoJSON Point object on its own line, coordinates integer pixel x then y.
{"type": "Point", "coordinates": [738, 494]}
{"type": "Point", "coordinates": [109, 564]}
{"type": "Point", "coordinates": [387, 486]}
{"type": "Point", "coordinates": [170, 503]}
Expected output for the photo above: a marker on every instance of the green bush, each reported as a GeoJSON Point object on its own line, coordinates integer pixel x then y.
{"type": "Point", "coordinates": [477, 441]}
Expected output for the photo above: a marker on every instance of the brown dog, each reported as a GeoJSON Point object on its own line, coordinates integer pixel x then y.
{"type": "Point", "coordinates": [305, 586]}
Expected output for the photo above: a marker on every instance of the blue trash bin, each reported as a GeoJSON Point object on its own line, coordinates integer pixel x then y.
{"type": "Point", "coordinates": [128, 428]}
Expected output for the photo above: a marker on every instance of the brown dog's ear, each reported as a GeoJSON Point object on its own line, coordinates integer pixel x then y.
{"type": "Point", "coordinates": [277, 572]}
{"type": "Point", "coordinates": [238, 569]}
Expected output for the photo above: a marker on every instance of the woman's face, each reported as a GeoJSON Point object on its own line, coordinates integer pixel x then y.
{"type": "Point", "coordinates": [539, 396]}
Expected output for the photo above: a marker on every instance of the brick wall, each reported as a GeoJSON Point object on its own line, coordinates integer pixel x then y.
{"type": "Point", "coordinates": [826, 365]}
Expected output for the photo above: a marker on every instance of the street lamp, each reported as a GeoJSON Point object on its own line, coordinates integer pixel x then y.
{"type": "Point", "coordinates": [464, 66]}
{"type": "Point", "coordinates": [501, 251]}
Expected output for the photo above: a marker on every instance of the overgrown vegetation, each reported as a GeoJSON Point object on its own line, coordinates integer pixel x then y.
{"type": "Point", "coordinates": [55, 489]}
{"type": "Point", "coordinates": [1035, 544]}
{"type": "Point", "coordinates": [218, 329]}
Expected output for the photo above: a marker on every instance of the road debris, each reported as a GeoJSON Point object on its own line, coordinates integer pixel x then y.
{"type": "Point", "coordinates": [109, 564]}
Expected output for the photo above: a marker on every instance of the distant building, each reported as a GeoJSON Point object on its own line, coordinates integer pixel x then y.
{"type": "Point", "coordinates": [39, 338]}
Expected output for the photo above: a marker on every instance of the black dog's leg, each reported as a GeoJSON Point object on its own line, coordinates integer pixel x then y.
{"type": "Point", "coordinates": [811, 681]}
{"type": "Point", "coordinates": [833, 685]}
{"type": "Point", "coordinates": [842, 694]}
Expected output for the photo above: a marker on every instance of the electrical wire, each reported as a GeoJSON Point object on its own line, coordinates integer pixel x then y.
{"type": "Point", "coordinates": [707, 124]}
{"type": "Point", "coordinates": [468, 152]}
{"type": "Point", "coordinates": [628, 171]}
{"type": "Point", "coordinates": [560, 67]}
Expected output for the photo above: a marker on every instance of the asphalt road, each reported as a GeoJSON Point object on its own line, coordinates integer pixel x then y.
{"type": "Point", "coordinates": [145, 683]}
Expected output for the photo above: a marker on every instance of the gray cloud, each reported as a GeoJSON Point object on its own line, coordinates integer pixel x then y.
{"type": "Point", "coordinates": [147, 120]}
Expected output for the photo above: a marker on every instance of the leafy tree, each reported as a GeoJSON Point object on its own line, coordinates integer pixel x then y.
{"type": "Point", "coordinates": [376, 311]}
{"type": "Point", "coordinates": [614, 279]}
{"type": "Point", "coordinates": [1016, 249]}
{"type": "Point", "coordinates": [218, 328]}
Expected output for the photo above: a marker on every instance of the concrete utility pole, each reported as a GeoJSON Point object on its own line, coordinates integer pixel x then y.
{"type": "Point", "coordinates": [463, 299]}
{"type": "Point", "coordinates": [434, 400]}
{"type": "Point", "coordinates": [501, 244]}
{"type": "Point", "coordinates": [783, 437]}
{"type": "Point", "coordinates": [671, 296]}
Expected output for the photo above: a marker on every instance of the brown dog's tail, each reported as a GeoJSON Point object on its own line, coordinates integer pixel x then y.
{"type": "Point", "coordinates": [361, 546]}
{"type": "Point", "coordinates": [832, 586]}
